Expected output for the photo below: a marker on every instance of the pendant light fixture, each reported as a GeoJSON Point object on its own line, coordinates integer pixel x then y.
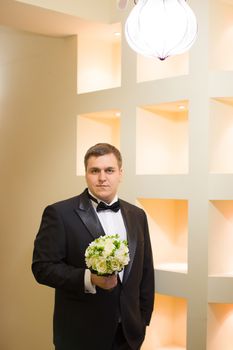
{"type": "Point", "coordinates": [161, 28]}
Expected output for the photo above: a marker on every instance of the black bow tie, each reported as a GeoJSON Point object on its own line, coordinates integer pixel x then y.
{"type": "Point", "coordinates": [102, 206]}
{"type": "Point", "coordinates": [114, 207]}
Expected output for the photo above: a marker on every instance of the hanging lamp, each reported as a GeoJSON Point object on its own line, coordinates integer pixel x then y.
{"type": "Point", "coordinates": [161, 28]}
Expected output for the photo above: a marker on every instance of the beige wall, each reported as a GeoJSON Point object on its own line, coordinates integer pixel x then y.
{"type": "Point", "coordinates": [38, 110]}
{"type": "Point", "coordinates": [37, 166]}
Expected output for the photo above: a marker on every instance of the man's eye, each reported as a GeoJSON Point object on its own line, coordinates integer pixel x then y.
{"type": "Point", "coordinates": [110, 171]}
{"type": "Point", "coordinates": [94, 171]}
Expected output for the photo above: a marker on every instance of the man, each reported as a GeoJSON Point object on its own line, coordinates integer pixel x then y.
{"type": "Point", "coordinates": [91, 311]}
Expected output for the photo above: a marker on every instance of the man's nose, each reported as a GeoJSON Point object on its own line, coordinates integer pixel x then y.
{"type": "Point", "coordinates": [102, 176]}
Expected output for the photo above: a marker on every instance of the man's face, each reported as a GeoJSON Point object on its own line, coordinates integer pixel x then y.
{"type": "Point", "coordinates": [103, 176]}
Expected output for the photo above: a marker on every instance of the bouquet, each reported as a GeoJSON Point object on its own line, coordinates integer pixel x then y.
{"type": "Point", "coordinates": [107, 255]}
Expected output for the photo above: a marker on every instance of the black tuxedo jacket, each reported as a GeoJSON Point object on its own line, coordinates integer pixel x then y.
{"type": "Point", "coordinates": [88, 321]}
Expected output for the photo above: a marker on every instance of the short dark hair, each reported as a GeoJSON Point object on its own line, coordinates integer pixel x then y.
{"type": "Point", "coordinates": [100, 149]}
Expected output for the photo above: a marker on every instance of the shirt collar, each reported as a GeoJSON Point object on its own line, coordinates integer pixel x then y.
{"type": "Point", "coordinates": [100, 200]}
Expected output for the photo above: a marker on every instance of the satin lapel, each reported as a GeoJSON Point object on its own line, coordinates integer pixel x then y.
{"type": "Point", "coordinates": [131, 237]}
{"type": "Point", "coordinates": [88, 216]}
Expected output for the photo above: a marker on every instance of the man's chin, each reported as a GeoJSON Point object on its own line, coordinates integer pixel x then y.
{"type": "Point", "coordinates": [104, 195]}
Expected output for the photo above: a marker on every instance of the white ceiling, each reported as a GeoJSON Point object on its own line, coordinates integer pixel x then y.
{"type": "Point", "coordinates": [100, 10]}
{"type": "Point", "coordinates": [21, 14]}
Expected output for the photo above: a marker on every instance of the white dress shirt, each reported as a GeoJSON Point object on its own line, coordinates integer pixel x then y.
{"type": "Point", "coordinates": [112, 223]}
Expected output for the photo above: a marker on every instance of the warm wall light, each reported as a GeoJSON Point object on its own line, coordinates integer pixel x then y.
{"type": "Point", "coordinates": [220, 325]}
{"type": "Point", "coordinates": [181, 107]}
{"type": "Point", "coordinates": [161, 28]}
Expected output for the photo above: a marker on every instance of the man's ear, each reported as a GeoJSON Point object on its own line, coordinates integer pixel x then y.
{"type": "Point", "coordinates": [121, 173]}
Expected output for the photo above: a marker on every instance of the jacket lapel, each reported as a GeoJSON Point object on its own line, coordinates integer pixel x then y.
{"type": "Point", "coordinates": [131, 237]}
{"type": "Point", "coordinates": [88, 216]}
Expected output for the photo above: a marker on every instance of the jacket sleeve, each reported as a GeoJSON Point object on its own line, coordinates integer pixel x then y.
{"type": "Point", "coordinates": [147, 287]}
{"type": "Point", "coordinates": [49, 264]}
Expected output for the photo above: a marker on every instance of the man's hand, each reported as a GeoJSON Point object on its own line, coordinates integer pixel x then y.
{"type": "Point", "coordinates": [104, 282]}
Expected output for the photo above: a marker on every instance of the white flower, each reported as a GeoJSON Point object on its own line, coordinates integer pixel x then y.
{"type": "Point", "coordinates": [107, 255]}
{"type": "Point", "coordinates": [101, 265]}
{"type": "Point", "coordinates": [108, 247]}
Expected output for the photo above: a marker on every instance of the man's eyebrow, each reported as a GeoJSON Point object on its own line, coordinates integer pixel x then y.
{"type": "Point", "coordinates": [107, 168]}
{"type": "Point", "coordinates": [94, 168]}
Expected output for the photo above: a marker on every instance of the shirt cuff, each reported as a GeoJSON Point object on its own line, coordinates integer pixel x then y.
{"type": "Point", "coordinates": [89, 287]}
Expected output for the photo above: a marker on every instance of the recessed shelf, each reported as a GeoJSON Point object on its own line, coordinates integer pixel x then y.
{"type": "Point", "coordinates": [220, 288]}
{"type": "Point", "coordinates": [167, 330]}
{"type": "Point", "coordinates": [220, 238]}
{"type": "Point", "coordinates": [220, 325]}
{"type": "Point", "coordinates": [168, 224]}
{"type": "Point", "coordinates": [99, 59]}
{"type": "Point", "coordinates": [221, 135]}
{"type": "Point", "coordinates": [225, 274]}
{"type": "Point", "coordinates": [176, 267]}
{"type": "Point", "coordinates": [93, 128]}
{"type": "Point", "coordinates": [153, 69]}
{"type": "Point", "coordinates": [221, 34]}
{"type": "Point", "coordinates": [170, 282]}
{"type": "Point", "coordinates": [162, 139]}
